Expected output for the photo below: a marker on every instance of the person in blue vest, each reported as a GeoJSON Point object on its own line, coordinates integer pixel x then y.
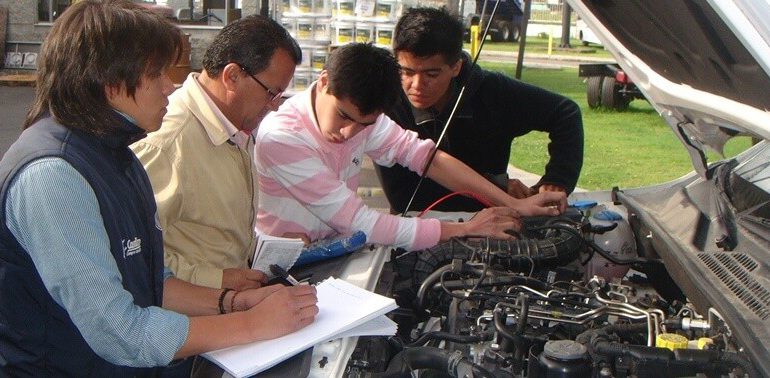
{"type": "Point", "coordinates": [83, 289]}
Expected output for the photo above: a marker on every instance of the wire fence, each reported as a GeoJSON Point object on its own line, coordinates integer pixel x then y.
{"type": "Point", "coordinates": [548, 11]}
{"type": "Point", "coordinates": [542, 11]}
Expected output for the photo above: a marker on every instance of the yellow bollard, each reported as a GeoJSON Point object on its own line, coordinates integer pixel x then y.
{"type": "Point", "coordinates": [474, 40]}
{"type": "Point", "coordinates": [550, 44]}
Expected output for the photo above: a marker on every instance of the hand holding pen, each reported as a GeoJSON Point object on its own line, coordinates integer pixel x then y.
{"type": "Point", "coordinates": [281, 272]}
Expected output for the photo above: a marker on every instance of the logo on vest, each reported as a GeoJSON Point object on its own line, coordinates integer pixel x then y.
{"type": "Point", "coordinates": [131, 247]}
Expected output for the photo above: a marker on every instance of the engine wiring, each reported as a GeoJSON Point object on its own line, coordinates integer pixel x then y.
{"type": "Point", "coordinates": [508, 308]}
{"type": "Point", "coordinates": [473, 195]}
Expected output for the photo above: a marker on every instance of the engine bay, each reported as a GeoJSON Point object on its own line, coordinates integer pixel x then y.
{"type": "Point", "coordinates": [571, 297]}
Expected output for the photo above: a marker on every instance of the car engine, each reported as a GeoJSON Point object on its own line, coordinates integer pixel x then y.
{"type": "Point", "coordinates": [570, 297]}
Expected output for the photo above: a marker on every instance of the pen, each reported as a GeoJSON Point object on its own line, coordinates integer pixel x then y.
{"type": "Point", "coordinates": [281, 272]}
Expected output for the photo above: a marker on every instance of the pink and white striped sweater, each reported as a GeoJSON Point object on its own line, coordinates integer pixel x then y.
{"type": "Point", "coordinates": [308, 185]}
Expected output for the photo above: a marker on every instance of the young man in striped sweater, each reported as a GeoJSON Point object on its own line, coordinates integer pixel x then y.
{"type": "Point", "coordinates": [310, 153]}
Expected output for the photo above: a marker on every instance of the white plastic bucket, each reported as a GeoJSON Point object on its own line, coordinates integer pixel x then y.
{"type": "Point", "coordinates": [385, 10]}
{"type": "Point", "coordinates": [307, 53]}
{"type": "Point", "coordinates": [343, 8]}
{"type": "Point", "coordinates": [290, 24]}
{"type": "Point", "coordinates": [305, 27]}
{"type": "Point", "coordinates": [384, 34]}
{"type": "Point", "coordinates": [322, 30]}
{"type": "Point", "coordinates": [364, 32]}
{"type": "Point", "coordinates": [321, 7]}
{"type": "Point", "coordinates": [304, 6]}
{"type": "Point", "coordinates": [318, 59]}
{"type": "Point", "coordinates": [302, 80]}
{"type": "Point", "coordinates": [286, 6]}
{"type": "Point", "coordinates": [342, 32]}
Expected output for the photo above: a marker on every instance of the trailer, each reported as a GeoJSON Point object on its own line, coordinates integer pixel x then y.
{"type": "Point", "coordinates": [608, 86]}
{"type": "Point", "coordinates": [505, 25]}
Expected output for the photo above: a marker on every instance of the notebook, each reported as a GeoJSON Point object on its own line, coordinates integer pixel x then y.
{"type": "Point", "coordinates": [342, 307]}
{"type": "Point", "coordinates": [276, 250]}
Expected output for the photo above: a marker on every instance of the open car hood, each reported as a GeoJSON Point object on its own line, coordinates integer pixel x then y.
{"type": "Point", "coordinates": [704, 65]}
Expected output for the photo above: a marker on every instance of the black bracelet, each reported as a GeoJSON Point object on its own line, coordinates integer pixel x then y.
{"type": "Point", "coordinates": [232, 302]}
{"type": "Point", "coordinates": [222, 299]}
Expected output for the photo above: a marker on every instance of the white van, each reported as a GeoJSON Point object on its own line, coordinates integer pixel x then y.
{"type": "Point", "coordinates": [586, 35]}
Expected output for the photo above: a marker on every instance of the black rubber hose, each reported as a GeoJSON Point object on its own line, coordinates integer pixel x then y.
{"type": "Point", "coordinates": [428, 282]}
{"type": "Point", "coordinates": [446, 336]}
{"type": "Point", "coordinates": [735, 359]}
{"type": "Point", "coordinates": [452, 363]}
{"type": "Point", "coordinates": [521, 346]}
{"type": "Point", "coordinates": [638, 352]}
{"type": "Point", "coordinates": [501, 327]}
{"type": "Point", "coordinates": [452, 321]}
{"type": "Point", "coordinates": [556, 250]}
{"type": "Point", "coordinates": [492, 279]}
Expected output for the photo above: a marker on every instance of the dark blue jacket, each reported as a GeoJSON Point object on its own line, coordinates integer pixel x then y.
{"type": "Point", "coordinates": [37, 336]}
{"type": "Point", "coordinates": [495, 109]}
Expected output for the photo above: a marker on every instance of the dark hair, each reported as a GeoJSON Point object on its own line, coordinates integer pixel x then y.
{"type": "Point", "coordinates": [426, 32]}
{"type": "Point", "coordinates": [250, 42]}
{"type": "Point", "coordinates": [366, 75]}
{"type": "Point", "coordinates": [94, 45]}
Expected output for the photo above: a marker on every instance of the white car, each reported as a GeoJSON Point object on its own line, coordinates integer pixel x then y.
{"type": "Point", "coordinates": [671, 280]}
{"type": "Point", "coordinates": [585, 34]}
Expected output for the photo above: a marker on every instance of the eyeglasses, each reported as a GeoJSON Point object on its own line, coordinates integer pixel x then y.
{"type": "Point", "coordinates": [273, 94]}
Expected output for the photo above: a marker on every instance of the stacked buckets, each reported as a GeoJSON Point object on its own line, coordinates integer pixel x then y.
{"type": "Point", "coordinates": [321, 25]}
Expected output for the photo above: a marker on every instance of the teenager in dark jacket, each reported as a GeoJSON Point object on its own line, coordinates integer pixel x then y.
{"type": "Point", "coordinates": [494, 110]}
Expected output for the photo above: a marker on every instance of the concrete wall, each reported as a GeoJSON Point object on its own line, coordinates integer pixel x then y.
{"type": "Point", "coordinates": [200, 39]}
{"type": "Point", "coordinates": [22, 17]}
{"type": "Point", "coordinates": [3, 26]}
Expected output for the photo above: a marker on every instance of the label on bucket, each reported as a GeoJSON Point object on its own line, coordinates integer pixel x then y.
{"type": "Point", "coordinates": [319, 58]}
{"type": "Point", "coordinates": [385, 10]}
{"type": "Point", "coordinates": [364, 32]}
{"type": "Point", "coordinates": [343, 33]}
{"type": "Point", "coordinates": [343, 8]}
{"type": "Point", "coordinates": [305, 28]}
{"type": "Point", "coordinates": [384, 35]}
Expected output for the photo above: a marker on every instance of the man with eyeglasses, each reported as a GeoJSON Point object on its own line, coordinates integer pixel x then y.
{"type": "Point", "coordinates": [311, 149]}
{"type": "Point", "coordinates": [200, 162]}
{"type": "Point", "coordinates": [494, 110]}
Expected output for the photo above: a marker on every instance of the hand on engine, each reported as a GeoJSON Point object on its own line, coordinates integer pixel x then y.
{"type": "Point", "coordinates": [494, 222]}
{"type": "Point", "coordinates": [518, 189]}
{"type": "Point", "coordinates": [545, 203]}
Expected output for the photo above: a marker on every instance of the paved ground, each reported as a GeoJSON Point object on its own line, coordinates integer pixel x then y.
{"type": "Point", "coordinates": [14, 102]}
{"type": "Point", "coordinates": [541, 60]}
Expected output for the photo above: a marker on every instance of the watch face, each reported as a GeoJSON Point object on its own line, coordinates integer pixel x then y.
{"type": "Point", "coordinates": [14, 59]}
{"type": "Point", "coordinates": [30, 60]}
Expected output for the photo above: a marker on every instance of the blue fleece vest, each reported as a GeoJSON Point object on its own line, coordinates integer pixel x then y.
{"type": "Point", "coordinates": [37, 336]}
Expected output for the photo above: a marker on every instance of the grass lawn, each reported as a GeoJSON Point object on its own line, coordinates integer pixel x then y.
{"type": "Point", "coordinates": [625, 149]}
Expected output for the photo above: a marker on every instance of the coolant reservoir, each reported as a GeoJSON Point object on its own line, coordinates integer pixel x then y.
{"type": "Point", "coordinates": [671, 341]}
{"type": "Point", "coordinates": [619, 242]}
